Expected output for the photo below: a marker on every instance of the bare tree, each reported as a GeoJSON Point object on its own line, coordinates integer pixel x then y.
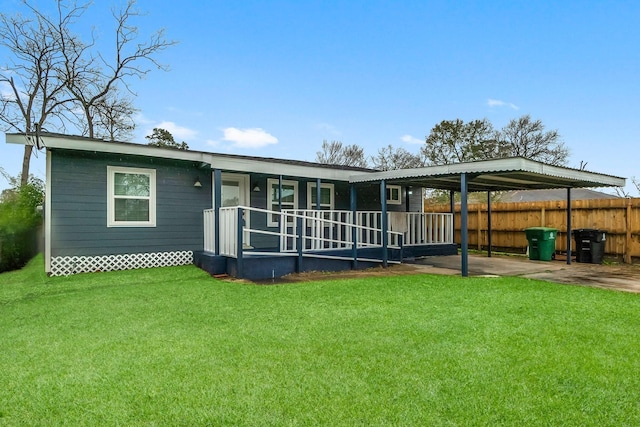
{"type": "Point", "coordinates": [54, 80]}
{"type": "Point", "coordinates": [336, 153]}
{"type": "Point", "coordinates": [390, 158]}
{"type": "Point", "coordinates": [114, 117]}
{"type": "Point", "coordinates": [33, 95]}
{"type": "Point", "coordinates": [526, 138]}
{"type": "Point", "coordinates": [93, 80]}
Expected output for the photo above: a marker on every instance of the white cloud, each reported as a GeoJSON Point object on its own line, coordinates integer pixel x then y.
{"type": "Point", "coordinates": [178, 132]}
{"type": "Point", "coordinates": [411, 139]}
{"type": "Point", "coordinates": [499, 103]}
{"type": "Point", "coordinates": [249, 138]}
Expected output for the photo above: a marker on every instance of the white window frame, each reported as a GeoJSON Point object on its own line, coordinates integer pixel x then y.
{"type": "Point", "coordinates": [111, 220]}
{"type": "Point", "coordinates": [273, 205]}
{"type": "Point", "coordinates": [311, 188]}
{"type": "Point", "coordinates": [390, 199]}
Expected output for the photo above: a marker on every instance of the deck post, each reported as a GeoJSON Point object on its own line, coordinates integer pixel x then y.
{"type": "Point", "coordinates": [217, 202]}
{"type": "Point", "coordinates": [569, 226]}
{"type": "Point", "coordinates": [464, 226]}
{"type": "Point", "coordinates": [280, 195]}
{"type": "Point", "coordinates": [240, 232]}
{"type": "Point", "coordinates": [299, 244]}
{"type": "Point", "coordinates": [318, 182]}
{"type": "Point", "coordinates": [383, 220]}
{"type": "Point", "coordinates": [488, 224]}
{"type": "Point", "coordinates": [354, 221]}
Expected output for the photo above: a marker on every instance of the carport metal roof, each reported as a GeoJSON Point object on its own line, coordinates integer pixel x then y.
{"type": "Point", "coordinates": [515, 173]}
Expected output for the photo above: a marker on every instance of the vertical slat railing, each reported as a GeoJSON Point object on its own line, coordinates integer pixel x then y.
{"type": "Point", "coordinates": [209, 230]}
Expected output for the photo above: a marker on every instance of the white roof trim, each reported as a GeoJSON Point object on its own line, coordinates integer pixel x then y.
{"type": "Point", "coordinates": [226, 163]}
{"type": "Point", "coordinates": [516, 164]}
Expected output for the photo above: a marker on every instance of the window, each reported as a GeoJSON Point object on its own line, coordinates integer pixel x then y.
{"type": "Point", "coordinates": [326, 196]}
{"type": "Point", "coordinates": [131, 196]}
{"type": "Point", "coordinates": [289, 199]}
{"type": "Point", "coordinates": [394, 194]}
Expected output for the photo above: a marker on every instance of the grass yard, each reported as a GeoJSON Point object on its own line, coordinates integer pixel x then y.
{"type": "Point", "coordinates": [172, 346]}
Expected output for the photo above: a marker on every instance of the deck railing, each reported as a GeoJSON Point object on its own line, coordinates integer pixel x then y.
{"type": "Point", "coordinates": [329, 229]}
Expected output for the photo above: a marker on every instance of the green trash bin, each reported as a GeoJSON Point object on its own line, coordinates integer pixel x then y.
{"type": "Point", "coordinates": [542, 242]}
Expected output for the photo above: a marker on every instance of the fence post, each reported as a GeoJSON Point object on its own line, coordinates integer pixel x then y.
{"type": "Point", "coordinates": [568, 225]}
{"type": "Point", "coordinates": [627, 245]}
{"type": "Point", "coordinates": [479, 227]}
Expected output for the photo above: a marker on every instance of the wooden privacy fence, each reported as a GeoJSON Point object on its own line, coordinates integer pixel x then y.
{"type": "Point", "coordinates": [619, 218]}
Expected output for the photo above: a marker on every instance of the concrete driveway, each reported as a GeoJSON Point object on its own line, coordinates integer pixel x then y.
{"type": "Point", "coordinates": [622, 277]}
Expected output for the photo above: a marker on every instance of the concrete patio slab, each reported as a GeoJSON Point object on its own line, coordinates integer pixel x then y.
{"type": "Point", "coordinates": [621, 277]}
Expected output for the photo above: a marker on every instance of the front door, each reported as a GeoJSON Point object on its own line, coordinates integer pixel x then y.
{"type": "Point", "coordinates": [235, 192]}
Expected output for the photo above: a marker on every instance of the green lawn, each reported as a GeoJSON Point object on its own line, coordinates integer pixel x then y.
{"type": "Point", "coordinates": [172, 346]}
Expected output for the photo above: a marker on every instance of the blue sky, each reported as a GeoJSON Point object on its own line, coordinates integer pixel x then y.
{"type": "Point", "coordinates": [276, 78]}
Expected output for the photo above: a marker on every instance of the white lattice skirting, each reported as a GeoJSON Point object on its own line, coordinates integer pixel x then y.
{"type": "Point", "coordinates": [66, 265]}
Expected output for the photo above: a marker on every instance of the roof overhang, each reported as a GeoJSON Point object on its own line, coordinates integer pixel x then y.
{"type": "Point", "coordinates": [224, 162]}
{"type": "Point", "coordinates": [493, 175]}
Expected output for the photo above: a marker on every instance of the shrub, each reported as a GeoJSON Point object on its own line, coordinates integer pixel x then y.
{"type": "Point", "coordinates": [19, 222]}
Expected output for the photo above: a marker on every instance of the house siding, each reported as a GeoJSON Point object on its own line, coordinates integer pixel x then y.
{"type": "Point", "coordinates": [79, 206]}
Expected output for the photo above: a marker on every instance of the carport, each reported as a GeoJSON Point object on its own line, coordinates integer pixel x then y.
{"type": "Point", "coordinates": [515, 173]}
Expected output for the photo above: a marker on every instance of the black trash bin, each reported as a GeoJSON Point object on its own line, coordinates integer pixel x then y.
{"type": "Point", "coordinates": [589, 245]}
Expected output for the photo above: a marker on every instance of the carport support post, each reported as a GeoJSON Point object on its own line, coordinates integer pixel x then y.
{"type": "Point", "coordinates": [489, 224]}
{"type": "Point", "coordinates": [354, 221]}
{"type": "Point", "coordinates": [464, 226]}
{"type": "Point", "coordinates": [217, 202]}
{"type": "Point", "coordinates": [569, 226]}
{"type": "Point", "coordinates": [383, 220]}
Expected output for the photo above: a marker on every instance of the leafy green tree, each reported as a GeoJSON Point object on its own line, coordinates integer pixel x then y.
{"type": "Point", "coordinates": [454, 141]}
{"type": "Point", "coordinates": [163, 138]}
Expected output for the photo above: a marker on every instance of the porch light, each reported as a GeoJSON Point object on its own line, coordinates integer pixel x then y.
{"type": "Point", "coordinates": [256, 188]}
{"type": "Point", "coordinates": [197, 184]}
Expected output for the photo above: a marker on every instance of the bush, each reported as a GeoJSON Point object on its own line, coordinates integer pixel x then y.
{"type": "Point", "coordinates": [19, 222]}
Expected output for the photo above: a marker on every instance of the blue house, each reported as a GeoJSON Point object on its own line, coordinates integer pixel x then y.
{"type": "Point", "coordinates": [114, 205]}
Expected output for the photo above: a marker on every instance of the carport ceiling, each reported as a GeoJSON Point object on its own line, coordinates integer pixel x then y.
{"type": "Point", "coordinates": [494, 175]}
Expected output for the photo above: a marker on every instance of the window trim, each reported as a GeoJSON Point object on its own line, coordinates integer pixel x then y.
{"type": "Point", "coordinates": [111, 197]}
{"type": "Point", "coordinates": [273, 205]}
{"type": "Point", "coordinates": [311, 188]}
{"type": "Point", "coordinates": [392, 201]}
